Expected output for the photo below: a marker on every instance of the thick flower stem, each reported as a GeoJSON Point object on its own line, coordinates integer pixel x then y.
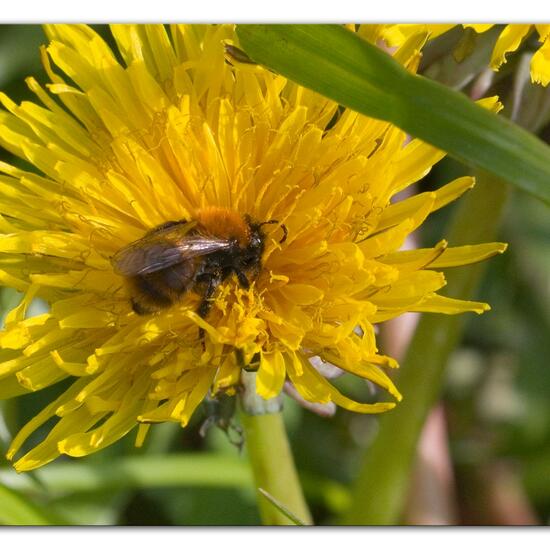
{"type": "Point", "coordinates": [273, 468]}
{"type": "Point", "coordinates": [384, 477]}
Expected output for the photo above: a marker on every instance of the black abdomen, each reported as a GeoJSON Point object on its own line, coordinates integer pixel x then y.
{"type": "Point", "coordinates": [160, 289]}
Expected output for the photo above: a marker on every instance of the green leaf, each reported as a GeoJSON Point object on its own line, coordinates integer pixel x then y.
{"type": "Point", "coordinates": [155, 471]}
{"type": "Point", "coordinates": [17, 510]}
{"type": "Point", "coordinates": [342, 66]}
{"type": "Point", "coordinates": [185, 470]}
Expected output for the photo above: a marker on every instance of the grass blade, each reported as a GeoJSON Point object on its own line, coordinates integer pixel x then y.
{"type": "Point", "coordinates": [281, 507]}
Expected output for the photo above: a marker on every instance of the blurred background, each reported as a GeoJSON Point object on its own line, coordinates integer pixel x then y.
{"type": "Point", "coordinates": [484, 456]}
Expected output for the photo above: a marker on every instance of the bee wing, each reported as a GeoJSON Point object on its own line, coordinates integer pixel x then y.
{"type": "Point", "coordinates": [155, 252]}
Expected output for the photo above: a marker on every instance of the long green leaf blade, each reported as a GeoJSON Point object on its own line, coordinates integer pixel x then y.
{"type": "Point", "coordinates": [342, 66]}
{"type": "Point", "coordinates": [157, 471]}
{"type": "Point", "coordinates": [17, 510]}
{"type": "Point", "coordinates": [185, 470]}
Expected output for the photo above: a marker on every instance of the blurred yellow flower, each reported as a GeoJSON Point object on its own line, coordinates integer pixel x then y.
{"type": "Point", "coordinates": [159, 130]}
{"type": "Point", "coordinates": [509, 40]}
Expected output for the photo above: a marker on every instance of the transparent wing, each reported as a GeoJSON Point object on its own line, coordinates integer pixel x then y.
{"type": "Point", "coordinates": [163, 248]}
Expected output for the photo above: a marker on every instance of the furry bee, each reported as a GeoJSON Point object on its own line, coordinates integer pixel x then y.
{"type": "Point", "coordinates": [191, 256]}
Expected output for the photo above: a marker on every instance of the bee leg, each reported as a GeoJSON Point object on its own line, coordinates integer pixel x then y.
{"type": "Point", "coordinates": [213, 282]}
{"type": "Point", "coordinates": [205, 305]}
{"type": "Point", "coordinates": [243, 281]}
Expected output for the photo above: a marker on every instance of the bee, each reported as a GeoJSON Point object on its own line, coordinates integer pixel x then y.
{"type": "Point", "coordinates": [192, 256]}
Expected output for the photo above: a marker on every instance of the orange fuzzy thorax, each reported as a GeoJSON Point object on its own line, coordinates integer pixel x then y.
{"type": "Point", "coordinates": [224, 223]}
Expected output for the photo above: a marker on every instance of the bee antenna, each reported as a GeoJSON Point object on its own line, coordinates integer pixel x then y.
{"type": "Point", "coordinates": [283, 227]}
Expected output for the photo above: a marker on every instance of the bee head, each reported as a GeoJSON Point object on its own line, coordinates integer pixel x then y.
{"type": "Point", "coordinates": [252, 255]}
{"type": "Point", "coordinates": [256, 245]}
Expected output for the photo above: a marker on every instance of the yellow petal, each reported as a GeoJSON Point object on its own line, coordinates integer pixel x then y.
{"type": "Point", "coordinates": [540, 64]}
{"type": "Point", "coordinates": [479, 27]}
{"type": "Point", "coordinates": [409, 290]}
{"type": "Point", "coordinates": [228, 375]}
{"type": "Point", "coordinates": [323, 392]}
{"type": "Point", "coordinates": [450, 306]}
{"type": "Point", "coordinates": [508, 41]}
{"type": "Point", "coordinates": [271, 375]}
{"type": "Point", "coordinates": [451, 191]}
{"type": "Point", "coordinates": [407, 260]}
{"type": "Point", "coordinates": [197, 394]}
{"type": "Point", "coordinates": [413, 162]}
{"type": "Point", "coordinates": [395, 35]}
{"type": "Point", "coordinates": [311, 385]}
{"type": "Point", "coordinates": [544, 31]}
{"type": "Point", "coordinates": [302, 294]}
{"type": "Point", "coordinates": [402, 210]}
{"type": "Point", "coordinates": [372, 373]}
{"type": "Point", "coordinates": [469, 254]}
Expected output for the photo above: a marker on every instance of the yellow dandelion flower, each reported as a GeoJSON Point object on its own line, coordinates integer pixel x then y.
{"type": "Point", "coordinates": [128, 145]}
{"type": "Point", "coordinates": [509, 40]}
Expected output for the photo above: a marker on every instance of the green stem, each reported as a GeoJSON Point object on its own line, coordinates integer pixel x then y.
{"type": "Point", "coordinates": [273, 468]}
{"type": "Point", "coordinates": [384, 477]}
